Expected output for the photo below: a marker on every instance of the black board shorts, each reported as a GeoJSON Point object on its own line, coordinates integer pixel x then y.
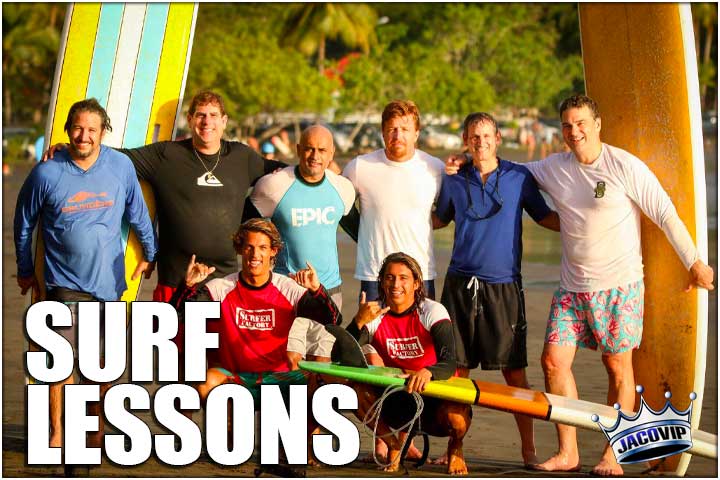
{"type": "Point", "coordinates": [489, 322]}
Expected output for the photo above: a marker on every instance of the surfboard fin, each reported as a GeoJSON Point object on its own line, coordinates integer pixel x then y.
{"type": "Point", "coordinates": [346, 350]}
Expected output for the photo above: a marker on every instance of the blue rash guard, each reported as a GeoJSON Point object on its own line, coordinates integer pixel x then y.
{"type": "Point", "coordinates": [307, 216]}
{"type": "Point", "coordinates": [488, 236]}
{"type": "Point", "coordinates": [82, 213]}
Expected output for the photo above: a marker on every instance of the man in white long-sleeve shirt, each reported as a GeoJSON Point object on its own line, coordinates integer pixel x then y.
{"type": "Point", "coordinates": [599, 192]}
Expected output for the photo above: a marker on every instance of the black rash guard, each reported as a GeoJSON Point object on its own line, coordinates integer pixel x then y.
{"type": "Point", "coordinates": [198, 219]}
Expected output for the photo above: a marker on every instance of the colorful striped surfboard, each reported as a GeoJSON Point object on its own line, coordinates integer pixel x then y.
{"type": "Point", "coordinates": [543, 406]}
{"type": "Point", "coordinates": [134, 59]}
{"type": "Point", "coordinates": [640, 66]}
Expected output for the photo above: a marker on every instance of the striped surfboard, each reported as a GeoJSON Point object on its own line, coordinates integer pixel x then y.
{"type": "Point", "coordinates": [543, 406]}
{"type": "Point", "coordinates": [133, 58]}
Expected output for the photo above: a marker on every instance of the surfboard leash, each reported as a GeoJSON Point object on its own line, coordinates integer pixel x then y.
{"type": "Point", "coordinates": [373, 415]}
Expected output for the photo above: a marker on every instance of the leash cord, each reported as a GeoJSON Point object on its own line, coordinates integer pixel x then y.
{"type": "Point", "coordinates": [373, 415]}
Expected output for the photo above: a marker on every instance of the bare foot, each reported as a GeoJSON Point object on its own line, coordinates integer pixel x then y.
{"type": "Point", "coordinates": [413, 453]}
{"type": "Point", "coordinates": [394, 457]}
{"type": "Point", "coordinates": [607, 468]}
{"type": "Point", "coordinates": [443, 460]}
{"type": "Point", "coordinates": [381, 450]}
{"type": "Point", "coordinates": [560, 463]}
{"type": "Point", "coordinates": [457, 466]}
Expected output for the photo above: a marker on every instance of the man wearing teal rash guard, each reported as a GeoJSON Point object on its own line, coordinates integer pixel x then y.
{"type": "Point", "coordinates": [306, 203]}
{"type": "Point", "coordinates": [82, 195]}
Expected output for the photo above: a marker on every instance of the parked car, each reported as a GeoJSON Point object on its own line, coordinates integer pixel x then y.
{"type": "Point", "coordinates": [434, 138]}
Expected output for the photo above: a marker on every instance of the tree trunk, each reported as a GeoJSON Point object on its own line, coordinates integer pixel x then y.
{"type": "Point", "coordinates": [321, 55]}
{"type": "Point", "coordinates": [709, 34]}
{"type": "Point", "coordinates": [7, 106]}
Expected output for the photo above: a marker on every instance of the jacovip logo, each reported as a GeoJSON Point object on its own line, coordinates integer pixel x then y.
{"type": "Point", "coordinates": [263, 319]}
{"type": "Point", "coordinates": [404, 348]}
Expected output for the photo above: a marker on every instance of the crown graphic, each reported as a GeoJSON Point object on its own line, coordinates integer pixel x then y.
{"type": "Point", "coordinates": [649, 435]}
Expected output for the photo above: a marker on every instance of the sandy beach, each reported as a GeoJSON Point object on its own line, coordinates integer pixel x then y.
{"type": "Point", "coordinates": [492, 446]}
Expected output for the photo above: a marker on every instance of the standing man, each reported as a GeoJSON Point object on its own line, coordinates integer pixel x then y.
{"type": "Point", "coordinates": [397, 187]}
{"type": "Point", "coordinates": [82, 196]}
{"type": "Point", "coordinates": [483, 288]}
{"type": "Point", "coordinates": [306, 203]}
{"type": "Point", "coordinates": [600, 300]}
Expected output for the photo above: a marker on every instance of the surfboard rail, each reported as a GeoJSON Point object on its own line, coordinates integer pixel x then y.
{"type": "Point", "coordinates": [495, 396]}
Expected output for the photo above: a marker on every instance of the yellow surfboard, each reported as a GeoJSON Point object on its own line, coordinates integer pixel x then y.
{"type": "Point", "coordinates": [133, 58]}
{"type": "Point", "coordinates": [640, 66]}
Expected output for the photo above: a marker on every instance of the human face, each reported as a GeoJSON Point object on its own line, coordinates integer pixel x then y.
{"type": "Point", "coordinates": [400, 135]}
{"type": "Point", "coordinates": [482, 141]}
{"type": "Point", "coordinates": [85, 135]}
{"type": "Point", "coordinates": [315, 152]}
{"type": "Point", "coordinates": [399, 286]}
{"type": "Point", "coordinates": [207, 125]}
{"type": "Point", "coordinates": [582, 133]}
{"type": "Point", "coordinates": [257, 254]}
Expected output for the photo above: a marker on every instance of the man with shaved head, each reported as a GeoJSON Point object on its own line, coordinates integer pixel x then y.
{"type": "Point", "coordinates": [306, 203]}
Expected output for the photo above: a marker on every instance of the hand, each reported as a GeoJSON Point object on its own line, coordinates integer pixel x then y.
{"type": "Point", "coordinates": [702, 276]}
{"type": "Point", "coordinates": [26, 283]}
{"type": "Point", "coordinates": [50, 152]}
{"type": "Point", "coordinates": [417, 380]}
{"type": "Point", "coordinates": [307, 277]}
{"type": "Point", "coordinates": [197, 272]}
{"type": "Point", "coordinates": [143, 266]}
{"type": "Point", "coordinates": [368, 311]}
{"type": "Point", "coordinates": [453, 163]}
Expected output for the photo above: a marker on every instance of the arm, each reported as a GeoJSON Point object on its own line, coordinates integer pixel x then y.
{"type": "Point", "coordinates": [315, 303]}
{"type": "Point", "coordinates": [444, 341]}
{"type": "Point", "coordinates": [437, 223]}
{"type": "Point", "coordinates": [551, 221]}
{"type": "Point", "coordinates": [444, 206]}
{"type": "Point", "coordinates": [188, 291]}
{"type": "Point", "coordinates": [27, 210]}
{"type": "Point", "coordinates": [534, 203]}
{"type": "Point", "coordinates": [145, 159]}
{"type": "Point", "coordinates": [351, 223]}
{"type": "Point", "coordinates": [249, 210]}
{"type": "Point", "coordinates": [138, 217]}
{"type": "Point", "coordinates": [645, 190]}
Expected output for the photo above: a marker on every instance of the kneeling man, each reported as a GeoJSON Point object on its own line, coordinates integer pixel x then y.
{"type": "Point", "coordinates": [406, 330]}
{"type": "Point", "coordinates": [252, 349]}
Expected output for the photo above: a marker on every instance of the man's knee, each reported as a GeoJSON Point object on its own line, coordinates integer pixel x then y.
{"type": "Point", "coordinates": [618, 364]}
{"type": "Point", "coordinates": [515, 377]}
{"type": "Point", "coordinates": [213, 379]}
{"type": "Point", "coordinates": [555, 361]}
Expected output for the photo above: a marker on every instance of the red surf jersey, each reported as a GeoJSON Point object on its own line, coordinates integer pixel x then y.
{"type": "Point", "coordinates": [254, 322]}
{"type": "Point", "coordinates": [404, 341]}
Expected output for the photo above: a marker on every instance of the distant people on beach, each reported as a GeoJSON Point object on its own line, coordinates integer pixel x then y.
{"type": "Point", "coordinates": [82, 196]}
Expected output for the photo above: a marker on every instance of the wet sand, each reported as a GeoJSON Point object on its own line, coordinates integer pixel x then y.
{"type": "Point", "coordinates": [491, 447]}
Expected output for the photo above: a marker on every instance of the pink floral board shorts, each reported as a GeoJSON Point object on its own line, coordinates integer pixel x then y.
{"type": "Point", "coordinates": [611, 319]}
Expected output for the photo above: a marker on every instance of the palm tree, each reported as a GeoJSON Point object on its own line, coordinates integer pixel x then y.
{"type": "Point", "coordinates": [310, 25]}
{"type": "Point", "coordinates": [705, 22]}
{"type": "Point", "coordinates": [30, 44]}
